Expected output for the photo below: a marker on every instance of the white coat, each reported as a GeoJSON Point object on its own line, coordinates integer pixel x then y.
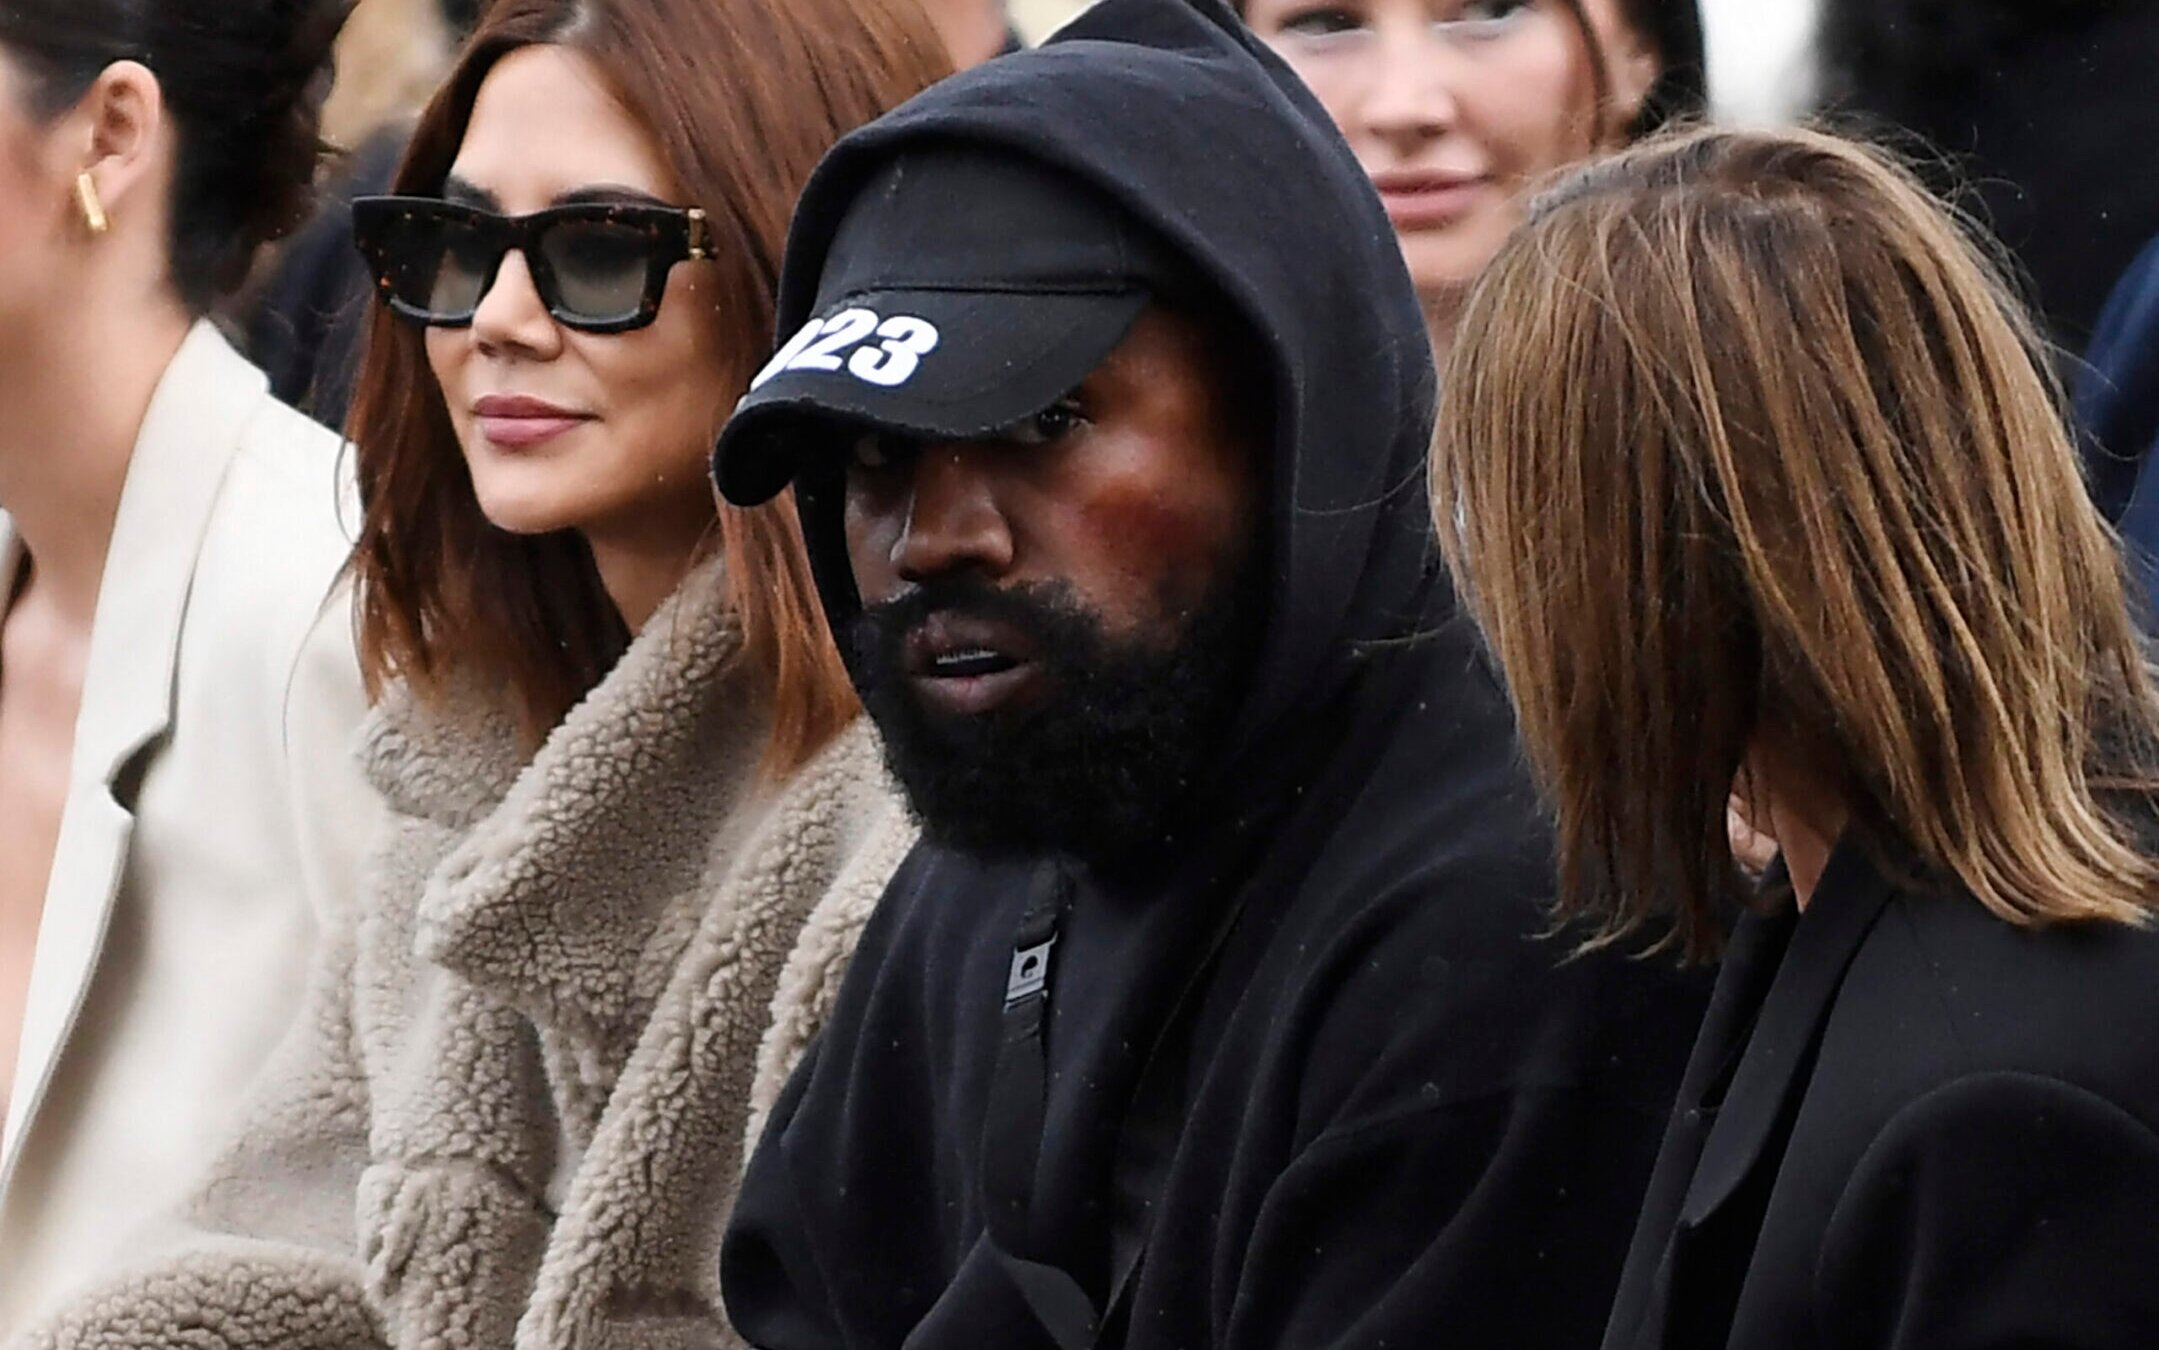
{"type": "Point", "coordinates": [215, 820]}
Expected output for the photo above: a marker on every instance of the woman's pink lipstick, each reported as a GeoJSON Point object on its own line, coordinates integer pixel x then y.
{"type": "Point", "coordinates": [1423, 200]}
{"type": "Point", "coordinates": [517, 422]}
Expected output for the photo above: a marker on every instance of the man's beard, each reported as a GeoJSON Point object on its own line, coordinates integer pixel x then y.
{"type": "Point", "coordinates": [1106, 764]}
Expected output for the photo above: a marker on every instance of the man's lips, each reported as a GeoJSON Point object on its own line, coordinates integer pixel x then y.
{"type": "Point", "coordinates": [967, 666]}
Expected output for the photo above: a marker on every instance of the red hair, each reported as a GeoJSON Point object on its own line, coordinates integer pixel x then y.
{"type": "Point", "coordinates": [743, 97]}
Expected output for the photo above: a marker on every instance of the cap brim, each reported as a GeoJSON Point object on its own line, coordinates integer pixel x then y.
{"type": "Point", "coordinates": [999, 357]}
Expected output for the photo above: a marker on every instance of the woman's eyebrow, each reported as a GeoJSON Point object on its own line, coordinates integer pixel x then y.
{"type": "Point", "coordinates": [467, 193]}
{"type": "Point", "coordinates": [608, 194]}
{"type": "Point", "coordinates": [455, 189]}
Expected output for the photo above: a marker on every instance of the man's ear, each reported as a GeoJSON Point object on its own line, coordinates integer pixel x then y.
{"type": "Point", "coordinates": [122, 124]}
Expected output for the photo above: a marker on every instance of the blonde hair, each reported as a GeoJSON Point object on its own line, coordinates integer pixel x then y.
{"type": "Point", "coordinates": [1744, 437]}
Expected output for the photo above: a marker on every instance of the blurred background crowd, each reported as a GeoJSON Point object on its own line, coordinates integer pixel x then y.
{"type": "Point", "coordinates": [2029, 117]}
{"type": "Point", "coordinates": [2032, 114]}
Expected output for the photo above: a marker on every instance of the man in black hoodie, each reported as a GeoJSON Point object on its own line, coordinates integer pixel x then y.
{"type": "Point", "coordinates": [1213, 1011]}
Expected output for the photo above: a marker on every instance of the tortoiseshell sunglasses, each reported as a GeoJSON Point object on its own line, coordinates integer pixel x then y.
{"type": "Point", "coordinates": [598, 267]}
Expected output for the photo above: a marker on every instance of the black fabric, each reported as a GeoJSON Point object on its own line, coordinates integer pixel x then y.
{"type": "Point", "coordinates": [1405, 1119]}
{"type": "Point", "coordinates": [2041, 114]}
{"type": "Point", "coordinates": [1940, 1133]}
{"type": "Point", "coordinates": [1013, 1128]}
{"type": "Point", "coordinates": [1012, 1133]}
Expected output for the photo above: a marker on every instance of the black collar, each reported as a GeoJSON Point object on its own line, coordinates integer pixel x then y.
{"type": "Point", "coordinates": [1846, 904]}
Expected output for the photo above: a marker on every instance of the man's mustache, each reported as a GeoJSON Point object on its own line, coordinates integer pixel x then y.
{"type": "Point", "coordinates": [1047, 614]}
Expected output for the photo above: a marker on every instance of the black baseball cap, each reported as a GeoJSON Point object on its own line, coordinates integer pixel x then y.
{"type": "Point", "coordinates": [966, 288]}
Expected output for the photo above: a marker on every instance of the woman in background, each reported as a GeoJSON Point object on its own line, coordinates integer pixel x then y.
{"type": "Point", "coordinates": [1457, 107]}
{"type": "Point", "coordinates": [1760, 486]}
{"type": "Point", "coordinates": [636, 822]}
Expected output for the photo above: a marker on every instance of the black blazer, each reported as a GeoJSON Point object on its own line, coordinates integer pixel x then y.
{"type": "Point", "coordinates": [1909, 1124]}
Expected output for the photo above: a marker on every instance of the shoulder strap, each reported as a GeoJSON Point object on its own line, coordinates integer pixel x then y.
{"type": "Point", "coordinates": [1012, 1134]}
{"type": "Point", "coordinates": [1012, 1128]}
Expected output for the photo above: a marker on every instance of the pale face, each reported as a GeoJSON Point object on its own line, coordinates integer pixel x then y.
{"type": "Point", "coordinates": [1457, 107]}
{"type": "Point", "coordinates": [43, 239]}
{"type": "Point", "coordinates": [604, 434]}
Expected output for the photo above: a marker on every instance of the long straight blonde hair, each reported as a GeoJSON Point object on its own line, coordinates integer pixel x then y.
{"type": "Point", "coordinates": [1745, 437]}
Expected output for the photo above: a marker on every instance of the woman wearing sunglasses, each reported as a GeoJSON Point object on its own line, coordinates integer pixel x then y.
{"type": "Point", "coordinates": [1762, 487]}
{"type": "Point", "coordinates": [635, 821]}
{"type": "Point", "coordinates": [1456, 107]}
{"type": "Point", "coordinates": [179, 813]}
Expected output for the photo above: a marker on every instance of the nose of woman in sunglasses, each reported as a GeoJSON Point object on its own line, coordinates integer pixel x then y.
{"type": "Point", "coordinates": [569, 306]}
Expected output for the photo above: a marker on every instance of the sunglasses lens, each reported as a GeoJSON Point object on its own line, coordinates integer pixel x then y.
{"type": "Point", "coordinates": [457, 265]}
{"type": "Point", "coordinates": [436, 266]}
{"type": "Point", "coordinates": [600, 268]}
{"type": "Point", "coordinates": [592, 266]}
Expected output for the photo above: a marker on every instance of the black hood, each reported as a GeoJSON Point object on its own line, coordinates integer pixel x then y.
{"type": "Point", "coordinates": [1173, 110]}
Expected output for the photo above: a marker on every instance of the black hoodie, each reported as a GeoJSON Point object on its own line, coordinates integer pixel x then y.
{"type": "Point", "coordinates": [1399, 1117]}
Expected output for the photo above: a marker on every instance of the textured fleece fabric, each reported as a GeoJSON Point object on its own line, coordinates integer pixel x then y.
{"type": "Point", "coordinates": [517, 1113]}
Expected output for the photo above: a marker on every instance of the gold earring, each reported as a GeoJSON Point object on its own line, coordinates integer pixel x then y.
{"type": "Point", "coordinates": [93, 209]}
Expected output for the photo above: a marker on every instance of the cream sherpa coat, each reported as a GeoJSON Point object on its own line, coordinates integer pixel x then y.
{"type": "Point", "coordinates": [519, 1111]}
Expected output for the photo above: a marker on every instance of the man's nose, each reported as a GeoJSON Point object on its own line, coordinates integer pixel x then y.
{"type": "Point", "coordinates": [954, 520]}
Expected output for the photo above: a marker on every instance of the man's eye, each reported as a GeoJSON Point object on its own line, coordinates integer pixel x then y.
{"type": "Point", "coordinates": [872, 452]}
{"type": "Point", "coordinates": [1054, 423]}
{"type": "Point", "coordinates": [1057, 421]}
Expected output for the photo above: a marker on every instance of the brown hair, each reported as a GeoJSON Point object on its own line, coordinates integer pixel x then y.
{"type": "Point", "coordinates": [743, 97]}
{"type": "Point", "coordinates": [1746, 442]}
